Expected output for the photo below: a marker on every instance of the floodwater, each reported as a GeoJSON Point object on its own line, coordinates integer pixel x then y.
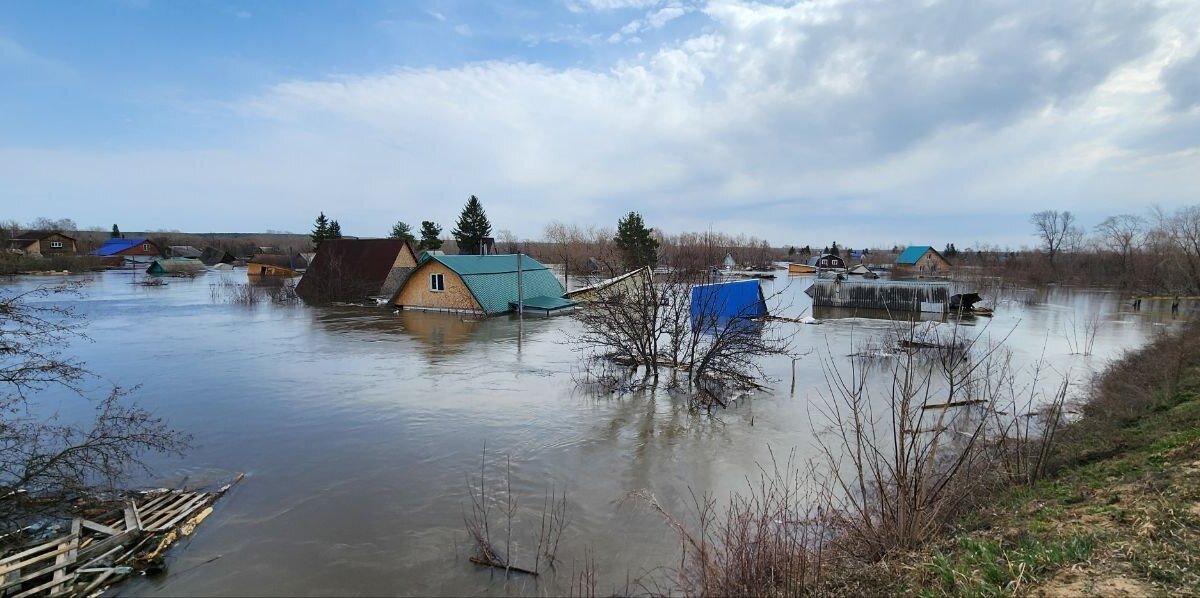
{"type": "Point", "coordinates": [359, 428]}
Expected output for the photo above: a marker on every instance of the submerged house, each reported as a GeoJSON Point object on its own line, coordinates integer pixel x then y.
{"type": "Point", "coordinates": [624, 285]}
{"type": "Point", "coordinates": [184, 251]}
{"type": "Point", "coordinates": [284, 266]}
{"type": "Point", "coordinates": [738, 299]}
{"type": "Point", "coordinates": [921, 260]}
{"type": "Point", "coordinates": [891, 295]}
{"type": "Point", "coordinates": [481, 284]}
{"type": "Point", "coordinates": [135, 250]}
{"type": "Point", "coordinates": [827, 261]}
{"type": "Point", "coordinates": [43, 243]}
{"type": "Point", "coordinates": [346, 270]}
{"type": "Point", "coordinates": [212, 256]}
{"type": "Point", "coordinates": [176, 266]}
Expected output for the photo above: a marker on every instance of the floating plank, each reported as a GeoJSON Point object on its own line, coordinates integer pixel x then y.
{"type": "Point", "coordinates": [953, 404]}
{"type": "Point", "coordinates": [46, 546]}
{"type": "Point", "coordinates": [104, 529]}
{"type": "Point", "coordinates": [45, 586]}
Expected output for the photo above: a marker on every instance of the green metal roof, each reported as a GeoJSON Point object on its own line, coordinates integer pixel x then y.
{"type": "Point", "coordinates": [911, 254]}
{"type": "Point", "coordinates": [492, 279]}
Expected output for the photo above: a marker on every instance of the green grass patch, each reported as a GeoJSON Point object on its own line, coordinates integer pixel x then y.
{"type": "Point", "coordinates": [984, 567]}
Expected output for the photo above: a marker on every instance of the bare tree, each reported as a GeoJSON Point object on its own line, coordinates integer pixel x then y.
{"type": "Point", "coordinates": [1121, 234]}
{"type": "Point", "coordinates": [44, 464]}
{"type": "Point", "coordinates": [646, 325]}
{"type": "Point", "coordinates": [1056, 231]}
{"type": "Point", "coordinates": [1180, 232]}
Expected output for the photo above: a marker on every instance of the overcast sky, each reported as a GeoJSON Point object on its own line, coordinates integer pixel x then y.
{"type": "Point", "coordinates": [861, 122]}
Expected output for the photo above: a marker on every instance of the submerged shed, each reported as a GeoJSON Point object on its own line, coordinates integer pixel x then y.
{"type": "Point", "coordinates": [892, 295]}
{"type": "Point", "coordinates": [356, 269]}
{"type": "Point", "coordinates": [620, 286]}
{"type": "Point", "coordinates": [176, 266]}
{"type": "Point", "coordinates": [212, 256]}
{"type": "Point", "coordinates": [285, 266]}
{"type": "Point", "coordinates": [728, 300]}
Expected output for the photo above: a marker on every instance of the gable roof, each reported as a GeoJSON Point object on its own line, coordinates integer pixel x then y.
{"type": "Point", "coordinates": [492, 279]}
{"type": "Point", "coordinates": [350, 269]}
{"type": "Point", "coordinates": [912, 253]}
{"type": "Point", "coordinates": [812, 261]}
{"type": "Point", "coordinates": [115, 246]}
{"type": "Point", "coordinates": [38, 235]}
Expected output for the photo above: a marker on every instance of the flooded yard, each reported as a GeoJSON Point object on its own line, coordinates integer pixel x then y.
{"type": "Point", "coordinates": [359, 428]}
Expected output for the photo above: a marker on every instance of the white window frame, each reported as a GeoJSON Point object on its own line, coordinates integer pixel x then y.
{"type": "Point", "coordinates": [145, 247]}
{"type": "Point", "coordinates": [437, 282]}
{"type": "Point", "coordinates": [56, 244]}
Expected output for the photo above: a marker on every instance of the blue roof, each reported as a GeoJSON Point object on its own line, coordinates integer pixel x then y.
{"type": "Point", "coordinates": [727, 300]}
{"type": "Point", "coordinates": [115, 246]}
{"type": "Point", "coordinates": [911, 254]}
{"type": "Point", "coordinates": [492, 279]}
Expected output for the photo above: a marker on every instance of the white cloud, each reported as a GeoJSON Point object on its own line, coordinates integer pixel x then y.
{"type": "Point", "coordinates": [791, 122]}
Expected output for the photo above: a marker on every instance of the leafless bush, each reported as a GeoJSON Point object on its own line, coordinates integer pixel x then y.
{"type": "Point", "coordinates": [903, 465]}
{"type": "Point", "coordinates": [275, 291]}
{"type": "Point", "coordinates": [770, 540]}
{"type": "Point", "coordinates": [1081, 335]}
{"type": "Point", "coordinates": [554, 518]}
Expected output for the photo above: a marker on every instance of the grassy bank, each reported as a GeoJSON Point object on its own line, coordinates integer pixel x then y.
{"type": "Point", "coordinates": [1022, 493]}
{"type": "Point", "coordinates": [1121, 513]}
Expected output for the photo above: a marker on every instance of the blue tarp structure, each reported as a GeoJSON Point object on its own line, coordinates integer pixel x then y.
{"type": "Point", "coordinates": [714, 303]}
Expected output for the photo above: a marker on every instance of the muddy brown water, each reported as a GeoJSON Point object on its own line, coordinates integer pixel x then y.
{"type": "Point", "coordinates": [358, 429]}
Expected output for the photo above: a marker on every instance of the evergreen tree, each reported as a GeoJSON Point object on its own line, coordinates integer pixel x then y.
{"type": "Point", "coordinates": [402, 231]}
{"type": "Point", "coordinates": [320, 232]}
{"type": "Point", "coordinates": [791, 251]}
{"type": "Point", "coordinates": [834, 249]}
{"type": "Point", "coordinates": [335, 230]}
{"type": "Point", "coordinates": [634, 240]}
{"type": "Point", "coordinates": [116, 232]}
{"type": "Point", "coordinates": [430, 236]}
{"type": "Point", "coordinates": [472, 227]}
{"type": "Point", "coordinates": [807, 250]}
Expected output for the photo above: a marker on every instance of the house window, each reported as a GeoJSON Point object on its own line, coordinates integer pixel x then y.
{"type": "Point", "coordinates": [56, 244]}
{"type": "Point", "coordinates": [145, 247]}
{"type": "Point", "coordinates": [437, 282]}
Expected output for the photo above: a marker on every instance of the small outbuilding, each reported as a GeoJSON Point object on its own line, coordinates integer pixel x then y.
{"type": "Point", "coordinates": [728, 300]}
{"type": "Point", "coordinates": [273, 265]}
{"type": "Point", "coordinates": [347, 270]}
{"type": "Point", "coordinates": [483, 284]}
{"type": "Point", "coordinates": [176, 266]}
{"type": "Point", "coordinates": [184, 251]}
{"type": "Point", "coordinates": [921, 260]}
{"type": "Point", "coordinates": [212, 256]}
{"type": "Point", "coordinates": [827, 261]}
{"type": "Point", "coordinates": [625, 285]}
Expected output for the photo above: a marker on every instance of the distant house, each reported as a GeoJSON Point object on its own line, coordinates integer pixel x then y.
{"type": "Point", "coordinates": [184, 251]}
{"type": "Point", "coordinates": [356, 269]}
{"type": "Point", "coordinates": [138, 249]}
{"type": "Point", "coordinates": [827, 261]}
{"type": "Point", "coordinates": [483, 284]}
{"type": "Point", "coordinates": [43, 243]}
{"type": "Point", "coordinates": [282, 266]}
{"type": "Point", "coordinates": [176, 266]}
{"type": "Point", "coordinates": [921, 260]}
{"type": "Point", "coordinates": [212, 256]}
